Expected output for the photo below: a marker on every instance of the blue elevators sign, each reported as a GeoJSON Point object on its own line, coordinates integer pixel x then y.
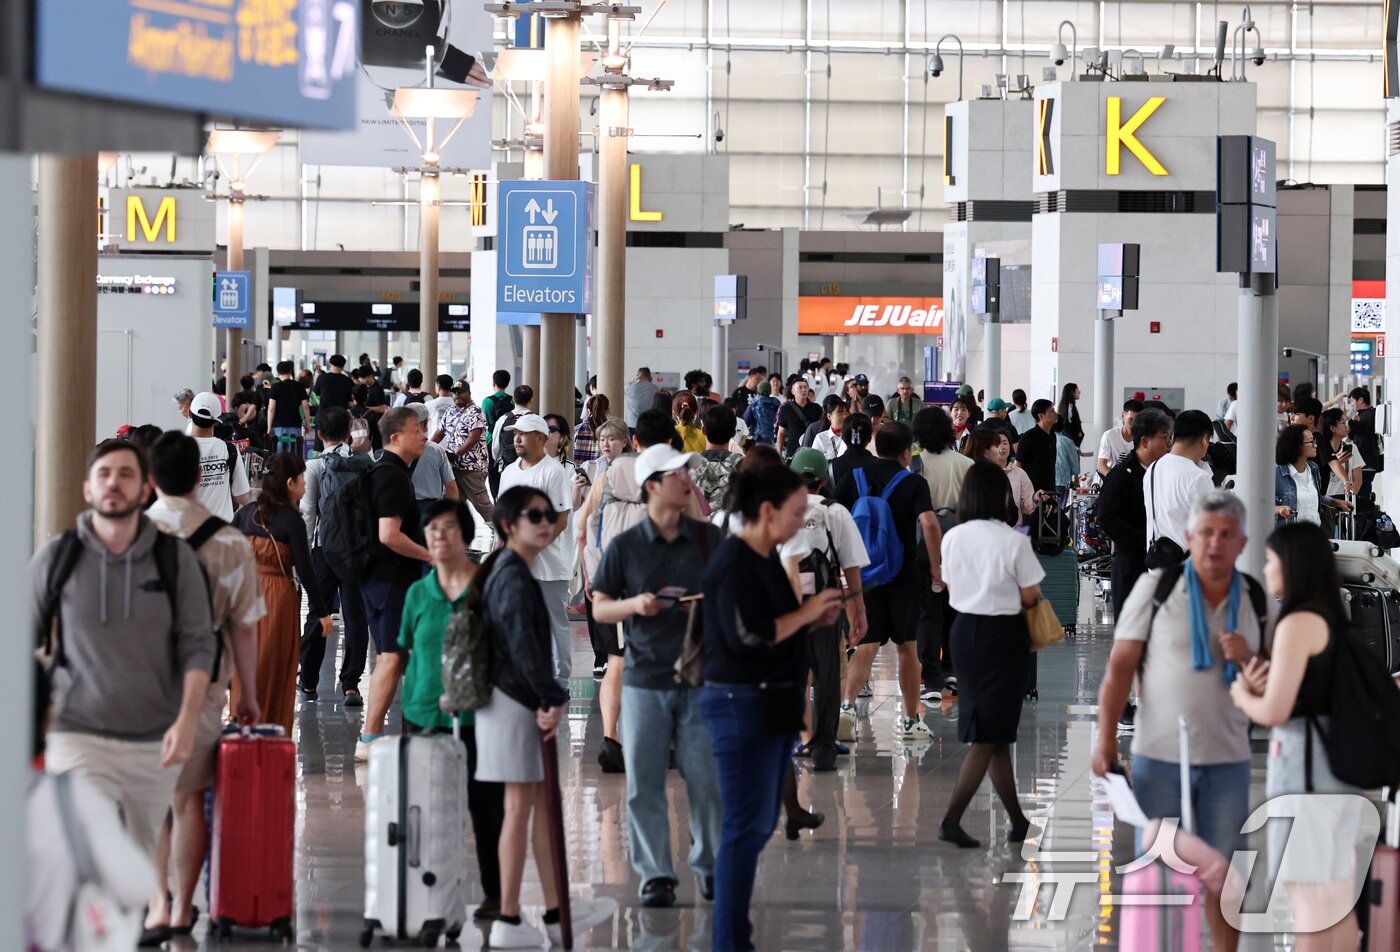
{"type": "Point", "coordinates": [544, 252]}
{"type": "Point", "coordinates": [232, 301]}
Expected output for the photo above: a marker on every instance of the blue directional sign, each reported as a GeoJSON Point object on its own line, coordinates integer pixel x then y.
{"type": "Point", "coordinates": [544, 247]}
{"type": "Point", "coordinates": [233, 303]}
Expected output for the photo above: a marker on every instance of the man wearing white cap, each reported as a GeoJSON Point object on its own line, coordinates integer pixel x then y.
{"type": "Point", "coordinates": [223, 480]}
{"type": "Point", "coordinates": [554, 566]}
{"type": "Point", "coordinates": [644, 573]}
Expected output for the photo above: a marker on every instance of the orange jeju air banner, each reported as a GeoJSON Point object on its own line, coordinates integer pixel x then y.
{"type": "Point", "coordinates": [817, 314]}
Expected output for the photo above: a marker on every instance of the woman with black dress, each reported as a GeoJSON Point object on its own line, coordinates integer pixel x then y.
{"type": "Point", "coordinates": [991, 574]}
{"type": "Point", "coordinates": [277, 533]}
{"type": "Point", "coordinates": [1070, 424]}
{"type": "Point", "coordinates": [755, 675]}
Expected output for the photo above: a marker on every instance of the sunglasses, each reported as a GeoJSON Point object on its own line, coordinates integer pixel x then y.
{"type": "Point", "coordinates": [536, 516]}
{"type": "Point", "coordinates": [556, 432]}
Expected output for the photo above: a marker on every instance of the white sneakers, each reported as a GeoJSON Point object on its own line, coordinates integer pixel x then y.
{"type": "Point", "coordinates": [846, 723]}
{"type": "Point", "coordinates": [509, 935]}
{"type": "Point", "coordinates": [587, 913]}
{"type": "Point", "coordinates": [912, 728]}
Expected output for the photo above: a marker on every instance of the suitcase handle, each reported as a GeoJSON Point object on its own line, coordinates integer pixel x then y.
{"type": "Point", "coordinates": [415, 836]}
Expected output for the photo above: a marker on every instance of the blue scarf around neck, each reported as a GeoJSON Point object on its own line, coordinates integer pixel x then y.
{"type": "Point", "coordinates": [1201, 659]}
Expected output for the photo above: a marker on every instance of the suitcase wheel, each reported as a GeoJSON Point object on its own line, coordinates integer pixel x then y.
{"type": "Point", "coordinates": [453, 932]}
{"type": "Point", "coordinates": [366, 937]}
{"type": "Point", "coordinates": [225, 930]}
{"type": "Point", "coordinates": [281, 931]}
{"type": "Point", "coordinates": [1033, 695]}
{"type": "Point", "coordinates": [430, 938]}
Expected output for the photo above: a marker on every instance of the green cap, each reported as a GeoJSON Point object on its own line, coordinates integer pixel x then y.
{"type": "Point", "coordinates": [965, 390]}
{"type": "Point", "coordinates": [809, 462]}
{"type": "Point", "coordinates": [996, 404]}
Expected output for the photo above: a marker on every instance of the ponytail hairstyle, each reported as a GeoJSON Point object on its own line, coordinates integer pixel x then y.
{"type": "Point", "coordinates": [858, 431]}
{"type": "Point", "coordinates": [683, 407]}
{"type": "Point", "coordinates": [597, 410]}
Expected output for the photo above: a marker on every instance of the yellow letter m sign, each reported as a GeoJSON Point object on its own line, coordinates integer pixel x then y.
{"type": "Point", "coordinates": [1121, 134]}
{"type": "Point", "coordinates": [165, 214]}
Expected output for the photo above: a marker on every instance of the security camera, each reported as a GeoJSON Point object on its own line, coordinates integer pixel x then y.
{"type": "Point", "coordinates": [397, 14]}
{"type": "Point", "coordinates": [935, 66]}
{"type": "Point", "coordinates": [1258, 57]}
{"type": "Point", "coordinates": [1288, 352]}
{"type": "Point", "coordinates": [1058, 54]}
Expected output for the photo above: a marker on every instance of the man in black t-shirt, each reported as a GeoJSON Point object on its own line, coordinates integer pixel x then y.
{"type": "Point", "coordinates": [892, 609]}
{"type": "Point", "coordinates": [333, 387]}
{"type": "Point", "coordinates": [1036, 451]}
{"type": "Point", "coordinates": [288, 411]}
{"type": "Point", "coordinates": [398, 560]}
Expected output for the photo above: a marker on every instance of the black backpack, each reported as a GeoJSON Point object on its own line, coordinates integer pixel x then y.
{"type": "Point", "coordinates": [421, 397]}
{"type": "Point", "coordinates": [347, 527]}
{"type": "Point", "coordinates": [505, 446]}
{"type": "Point", "coordinates": [1166, 582]}
{"type": "Point", "coordinates": [67, 551]}
{"type": "Point", "coordinates": [1363, 748]}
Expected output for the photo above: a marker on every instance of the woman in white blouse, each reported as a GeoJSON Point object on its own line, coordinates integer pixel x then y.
{"type": "Point", "coordinates": [991, 574]}
{"type": "Point", "coordinates": [1297, 479]}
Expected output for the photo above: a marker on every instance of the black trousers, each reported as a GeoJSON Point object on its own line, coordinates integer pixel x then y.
{"type": "Point", "coordinates": [936, 618]}
{"type": "Point", "coordinates": [602, 637]}
{"type": "Point", "coordinates": [353, 623]}
{"type": "Point", "coordinates": [824, 660]}
{"type": "Point", "coordinates": [486, 802]}
{"type": "Point", "coordinates": [1128, 567]}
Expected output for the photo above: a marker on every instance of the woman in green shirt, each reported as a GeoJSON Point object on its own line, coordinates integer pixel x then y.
{"type": "Point", "coordinates": [427, 609]}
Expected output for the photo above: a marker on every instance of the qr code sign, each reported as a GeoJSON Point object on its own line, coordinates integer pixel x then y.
{"type": "Point", "coordinates": [1368, 315]}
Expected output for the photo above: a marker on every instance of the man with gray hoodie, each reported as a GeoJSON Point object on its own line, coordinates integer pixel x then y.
{"type": "Point", "coordinates": [134, 643]}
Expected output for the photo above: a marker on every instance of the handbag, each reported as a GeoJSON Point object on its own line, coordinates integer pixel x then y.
{"type": "Point", "coordinates": [96, 921]}
{"type": "Point", "coordinates": [689, 666]}
{"type": "Point", "coordinates": [1044, 628]}
{"type": "Point", "coordinates": [1163, 551]}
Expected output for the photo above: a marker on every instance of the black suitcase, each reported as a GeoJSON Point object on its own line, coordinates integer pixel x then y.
{"type": "Point", "coordinates": [1375, 620]}
{"type": "Point", "coordinates": [1050, 528]}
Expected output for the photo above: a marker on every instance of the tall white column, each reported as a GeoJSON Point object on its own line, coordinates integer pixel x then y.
{"type": "Point", "coordinates": [1103, 376]}
{"type": "Point", "coordinates": [1257, 409]}
{"type": "Point", "coordinates": [991, 356]}
{"type": "Point", "coordinates": [429, 207]}
{"type": "Point", "coordinates": [719, 359]}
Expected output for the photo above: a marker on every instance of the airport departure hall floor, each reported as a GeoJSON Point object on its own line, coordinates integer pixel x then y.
{"type": "Point", "coordinates": [874, 877]}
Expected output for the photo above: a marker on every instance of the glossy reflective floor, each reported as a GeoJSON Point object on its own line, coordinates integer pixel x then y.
{"type": "Point", "coordinates": [873, 877]}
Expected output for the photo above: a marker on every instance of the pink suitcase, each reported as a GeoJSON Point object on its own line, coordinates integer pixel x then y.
{"type": "Point", "coordinates": [1164, 927]}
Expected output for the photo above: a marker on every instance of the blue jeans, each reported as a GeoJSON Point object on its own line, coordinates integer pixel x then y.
{"type": "Point", "coordinates": [650, 720]}
{"type": "Point", "coordinates": [287, 433]}
{"type": "Point", "coordinates": [1219, 798]}
{"type": "Point", "coordinates": [752, 765]}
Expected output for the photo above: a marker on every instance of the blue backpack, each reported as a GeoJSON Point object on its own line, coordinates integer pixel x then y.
{"type": "Point", "coordinates": [875, 520]}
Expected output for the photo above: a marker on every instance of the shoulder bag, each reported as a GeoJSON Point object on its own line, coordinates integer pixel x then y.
{"type": "Point", "coordinates": [1162, 551]}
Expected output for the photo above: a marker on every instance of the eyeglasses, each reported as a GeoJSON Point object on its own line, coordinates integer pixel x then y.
{"type": "Point", "coordinates": [555, 432]}
{"type": "Point", "coordinates": [536, 516]}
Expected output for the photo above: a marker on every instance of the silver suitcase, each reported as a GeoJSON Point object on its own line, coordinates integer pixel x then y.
{"type": "Point", "coordinates": [416, 838]}
{"type": "Point", "coordinates": [1366, 564]}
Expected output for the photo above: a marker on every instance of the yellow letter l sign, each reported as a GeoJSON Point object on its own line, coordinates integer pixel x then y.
{"type": "Point", "coordinates": [1120, 134]}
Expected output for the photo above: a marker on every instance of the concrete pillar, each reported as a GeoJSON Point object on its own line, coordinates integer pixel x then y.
{"type": "Point", "coordinates": [719, 359]}
{"type": "Point", "coordinates": [581, 356]}
{"type": "Point", "coordinates": [561, 99]}
{"type": "Point", "coordinates": [65, 431]}
{"type": "Point", "coordinates": [233, 336]}
{"type": "Point", "coordinates": [17, 502]}
{"type": "Point", "coordinates": [429, 194]}
{"type": "Point", "coordinates": [991, 356]}
{"type": "Point", "coordinates": [1103, 377]}
{"type": "Point", "coordinates": [840, 350]}
{"type": "Point", "coordinates": [609, 306]}
{"type": "Point", "coordinates": [1257, 409]}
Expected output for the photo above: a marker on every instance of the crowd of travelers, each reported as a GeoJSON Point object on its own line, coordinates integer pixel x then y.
{"type": "Point", "coordinates": [739, 561]}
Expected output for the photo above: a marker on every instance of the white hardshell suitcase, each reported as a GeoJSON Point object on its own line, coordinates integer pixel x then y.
{"type": "Point", "coordinates": [1366, 563]}
{"type": "Point", "coordinates": [416, 838]}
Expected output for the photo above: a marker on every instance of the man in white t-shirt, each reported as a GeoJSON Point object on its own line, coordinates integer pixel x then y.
{"type": "Point", "coordinates": [1119, 440]}
{"type": "Point", "coordinates": [223, 479]}
{"type": "Point", "coordinates": [440, 404]}
{"type": "Point", "coordinates": [553, 566]}
{"type": "Point", "coordinates": [828, 534]}
{"type": "Point", "coordinates": [1174, 483]}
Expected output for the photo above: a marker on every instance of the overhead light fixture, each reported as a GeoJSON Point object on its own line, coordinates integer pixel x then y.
{"type": "Point", "coordinates": [1126, 70]}
{"type": "Point", "coordinates": [244, 141]}
{"type": "Point", "coordinates": [520, 64]}
{"type": "Point", "coordinates": [424, 102]}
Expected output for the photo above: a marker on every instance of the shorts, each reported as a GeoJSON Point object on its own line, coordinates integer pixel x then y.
{"type": "Point", "coordinates": [384, 613]}
{"type": "Point", "coordinates": [1219, 798]}
{"type": "Point", "coordinates": [892, 611]}
{"type": "Point", "coordinates": [198, 772]}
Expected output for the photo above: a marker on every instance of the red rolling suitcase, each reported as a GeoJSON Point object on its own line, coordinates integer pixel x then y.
{"type": "Point", "coordinates": [1383, 897]}
{"type": "Point", "coordinates": [254, 832]}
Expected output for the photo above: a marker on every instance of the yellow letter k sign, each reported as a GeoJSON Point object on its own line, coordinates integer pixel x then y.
{"type": "Point", "coordinates": [1125, 134]}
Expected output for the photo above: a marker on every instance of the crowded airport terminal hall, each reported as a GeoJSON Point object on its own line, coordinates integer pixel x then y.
{"type": "Point", "coordinates": [700, 475]}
